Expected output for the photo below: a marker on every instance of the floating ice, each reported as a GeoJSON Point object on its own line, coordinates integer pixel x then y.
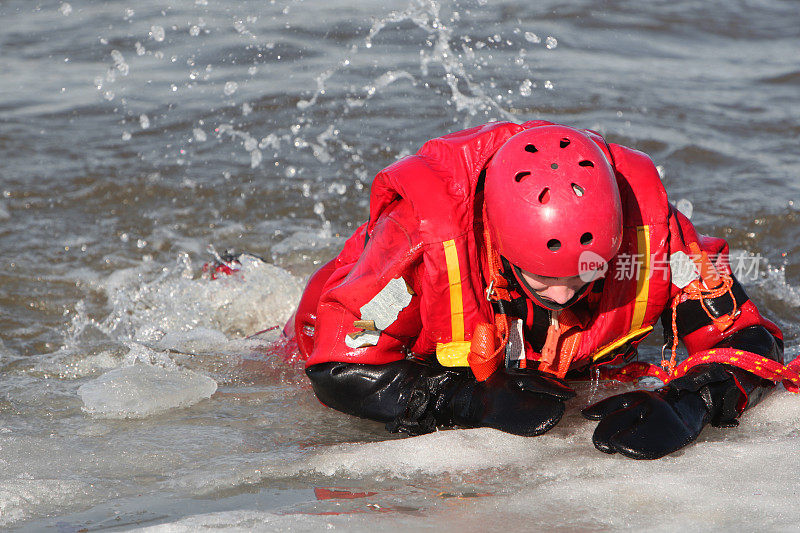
{"type": "Point", "coordinates": [551, 42]}
{"type": "Point", "coordinates": [144, 121]}
{"type": "Point", "coordinates": [142, 390]}
{"type": "Point", "coordinates": [65, 9]}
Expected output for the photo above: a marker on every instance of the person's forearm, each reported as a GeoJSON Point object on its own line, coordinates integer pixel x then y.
{"type": "Point", "coordinates": [416, 398]}
{"type": "Point", "coordinates": [382, 392]}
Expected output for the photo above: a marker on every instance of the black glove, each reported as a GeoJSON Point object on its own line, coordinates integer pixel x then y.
{"type": "Point", "coordinates": [651, 424]}
{"type": "Point", "coordinates": [416, 398]}
{"type": "Point", "coordinates": [521, 402]}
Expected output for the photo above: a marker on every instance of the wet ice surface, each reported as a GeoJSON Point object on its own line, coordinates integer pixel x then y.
{"type": "Point", "coordinates": [133, 135]}
{"type": "Point", "coordinates": [454, 479]}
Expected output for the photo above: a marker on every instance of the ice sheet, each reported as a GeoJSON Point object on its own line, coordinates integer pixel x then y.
{"type": "Point", "coordinates": [142, 390]}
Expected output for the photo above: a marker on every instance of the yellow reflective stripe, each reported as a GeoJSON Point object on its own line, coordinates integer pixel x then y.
{"type": "Point", "coordinates": [643, 280]}
{"type": "Point", "coordinates": [454, 280]}
{"type": "Point", "coordinates": [608, 348]}
{"type": "Point", "coordinates": [453, 353]}
{"type": "Point", "coordinates": [636, 330]}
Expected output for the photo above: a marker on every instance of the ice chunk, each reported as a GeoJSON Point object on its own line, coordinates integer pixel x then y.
{"type": "Point", "coordinates": [142, 390]}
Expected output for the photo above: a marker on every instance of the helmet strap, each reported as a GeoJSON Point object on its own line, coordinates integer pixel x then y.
{"type": "Point", "coordinates": [498, 284]}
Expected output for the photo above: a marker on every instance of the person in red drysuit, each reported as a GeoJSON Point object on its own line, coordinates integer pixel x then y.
{"type": "Point", "coordinates": [502, 260]}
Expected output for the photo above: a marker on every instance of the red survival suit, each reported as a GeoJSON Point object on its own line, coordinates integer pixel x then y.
{"type": "Point", "coordinates": [411, 282]}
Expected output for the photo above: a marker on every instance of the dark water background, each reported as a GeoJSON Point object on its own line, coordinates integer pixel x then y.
{"type": "Point", "coordinates": [135, 134]}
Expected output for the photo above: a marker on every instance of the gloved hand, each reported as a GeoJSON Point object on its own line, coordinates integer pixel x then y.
{"type": "Point", "coordinates": [416, 398]}
{"type": "Point", "coordinates": [651, 424]}
{"type": "Point", "coordinates": [522, 402]}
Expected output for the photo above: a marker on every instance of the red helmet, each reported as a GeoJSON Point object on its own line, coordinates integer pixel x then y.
{"type": "Point", "coordinates": [551, 197]}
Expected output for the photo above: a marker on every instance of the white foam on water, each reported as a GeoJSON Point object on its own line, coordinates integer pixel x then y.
{"type": "Point", "coordinates": [306, 241]}
{"type": "Point", "coordinates": [194, 341]}
{"type": "Point", "coordinates": [147, 306]}
{"type": "Point", "coordinates": [773, 281]}
{"type": "Point", "coordinates": [142, 390]}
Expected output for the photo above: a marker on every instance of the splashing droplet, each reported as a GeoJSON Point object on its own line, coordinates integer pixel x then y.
{"type": "Point", "coordinates": [532, 37]}
{"type": "Point", "coordinates": [685, 207]}
{"type": "Point", "coordinates": [230, 88]}
{"type": "Point", "coordinates": [157, 33]}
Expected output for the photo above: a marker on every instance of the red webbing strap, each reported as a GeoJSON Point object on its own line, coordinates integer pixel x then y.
{"type": "Point", "coordinates": [751, 362]}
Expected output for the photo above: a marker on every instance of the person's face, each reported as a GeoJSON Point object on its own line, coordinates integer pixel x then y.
{"type": "Point", "coordinates": [558, 290]}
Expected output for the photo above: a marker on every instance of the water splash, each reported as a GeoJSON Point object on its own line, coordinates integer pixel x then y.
{"type": "Point", "coordinates": [146, 306]}
{"type": "Point", "coordinates": [685, 207]}
{"type": "Point", "coordinates": [451, 64]}
{"type": "Point", "coordinates": [773, 280]}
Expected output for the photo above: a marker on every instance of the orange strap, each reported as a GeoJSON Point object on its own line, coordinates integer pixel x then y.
{"type": "Point", "coordinates": [488, 343]}
{"type": "Point", "coordinates": [711, 284]}
{"type": "Point", "coordinates": [489, 340]}
{"type": "Point", "coordinates": [561, 345]}
{"type": "Point", "coordinates": [749, 361]}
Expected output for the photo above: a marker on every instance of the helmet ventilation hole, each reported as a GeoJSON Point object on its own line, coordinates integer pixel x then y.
{"type": "Point", "coordinates": [531, 148]}
{"type": "Point", "coordinates": [520, 176]}
{"type": "Point", "coordinates": [554, 166]}
{"type": "Point", "coordinates": [553, 245]}
{"type": "Point", "coordinates": [544, 196]}
{"type": "Point", "coordinates": [586, 163]}
{"type": "Point", "coordinates": [586, 239]}
{"type": "Point", "coordinates": [578, 190]}
{"type": "Point", "coordinates": [564, 142]}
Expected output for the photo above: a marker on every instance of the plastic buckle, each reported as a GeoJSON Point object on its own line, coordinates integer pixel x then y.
{"type": "Point", "coordinates": [490, 291]}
